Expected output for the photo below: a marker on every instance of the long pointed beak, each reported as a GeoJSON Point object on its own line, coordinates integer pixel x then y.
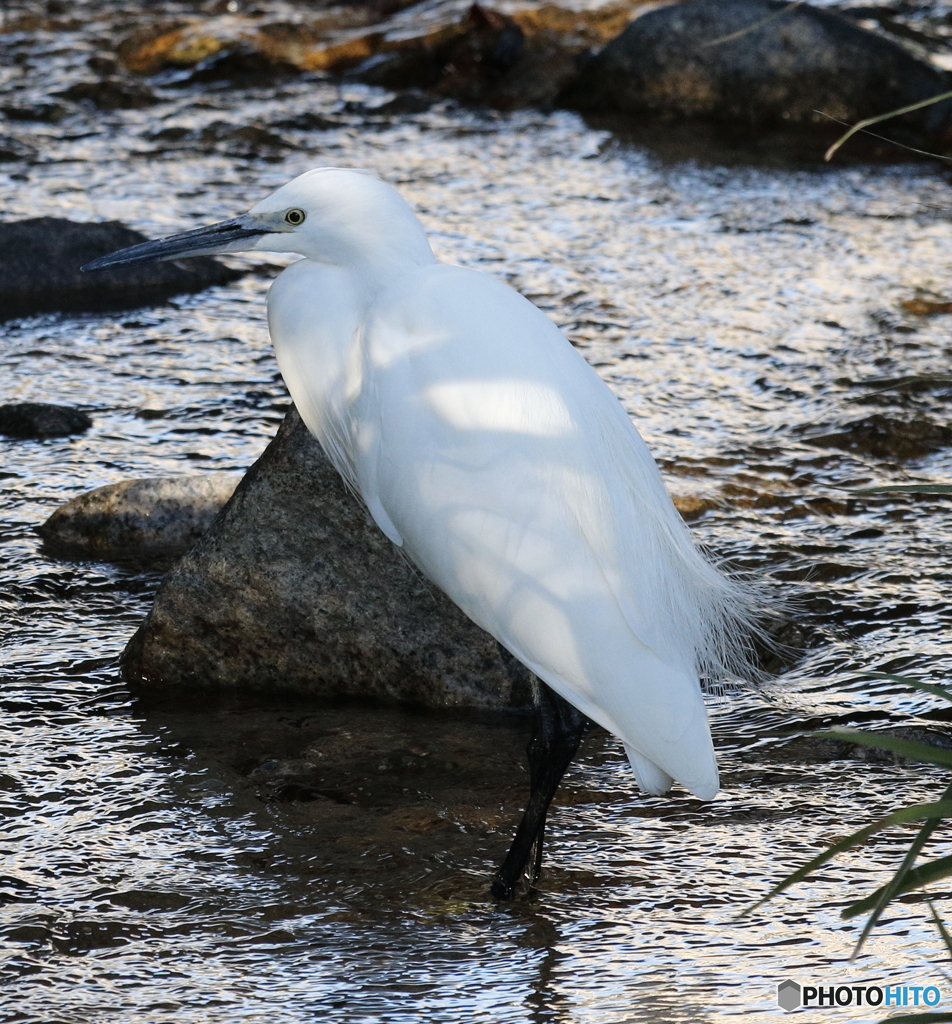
{"type": "Point", "coordinates": [227, 236]}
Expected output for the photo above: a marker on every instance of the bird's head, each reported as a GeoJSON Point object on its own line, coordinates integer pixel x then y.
{"type": "Point", "coordinates": [331, 215]}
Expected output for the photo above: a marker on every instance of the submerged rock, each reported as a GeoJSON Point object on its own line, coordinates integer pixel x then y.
{"type": "Point", "coordinates": [110, 94]}
{"type": "Point", "coordinates": [884, 437]}
{"type": "Point", "coordinates": [241, 66]}
{"type": "Point", "coordinates": [295, 588]}
{"type": "Point", "coordinates": [40, 261]}
{"type": "Point", "coordinates": [243, 142]}
{"type": "Point", "coordinates": [48, 113]}
{"type": "Point", "coordinates": [139, 517]}
{"type": "Point", "coordinates": [757, 62]}
{"type": "Point", "coordinates": [308, 122]}
{"type": "Point", "coordinates": [15, 149]}
{"type": "Point", "coordinates": [38, 419]}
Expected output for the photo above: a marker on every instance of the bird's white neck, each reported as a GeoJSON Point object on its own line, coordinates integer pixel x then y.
{"type": "Point", "coordinates": [315, 314]}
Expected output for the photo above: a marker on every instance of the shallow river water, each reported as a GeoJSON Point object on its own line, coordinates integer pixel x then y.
{"type": "Point", "coordinates": [152, 873]}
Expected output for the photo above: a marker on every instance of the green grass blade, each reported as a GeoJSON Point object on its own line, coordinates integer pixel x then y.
{"type": "Point", "coordinates": [939, 691]}
{"type": "Point", "coordinates": [915, 878]}
{"type": "Point", "coordinates": [883, 138]}
{"type": "Point", "coordinates": [891, 383]}
{"type": "Point", "coordinates": [904, 815]}
{"type": "Point", "coordinates": [905, 748]}
{"type": "Point", "coordinates": [860, 125]}
{"type": "Point", "coordinates": [940, 925]}
{"type": "Point", "coordinates": [892, 887]}
{"type": "Point", "coordinates": [904, 489]}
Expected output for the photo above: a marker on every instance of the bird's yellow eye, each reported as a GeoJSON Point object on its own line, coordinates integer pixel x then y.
{"type": "Point", "coordinates": [295, 217]}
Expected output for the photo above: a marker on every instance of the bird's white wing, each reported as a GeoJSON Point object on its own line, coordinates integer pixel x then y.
{"type": "Point", "coordinates": [517, 483]}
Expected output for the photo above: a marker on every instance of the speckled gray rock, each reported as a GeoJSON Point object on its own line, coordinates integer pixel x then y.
{"type": "Point", "coordinates": [139, 517]}
{"type": "Point", "coordinates": [40, 260]}
{"type": "Point", "coordinates": [756, 62]}
{"type": "Point", "coordinates": [294, 588]}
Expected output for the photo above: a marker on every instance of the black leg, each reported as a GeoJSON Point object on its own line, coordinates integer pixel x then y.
{"type": "Point", "coordinates": [555, 738]}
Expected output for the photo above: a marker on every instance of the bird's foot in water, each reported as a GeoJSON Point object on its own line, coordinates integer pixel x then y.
{"type": "Point", "coordinates": [508, 885]}
{"type": "Point", "coordinates": [504, 890]}
{"type": "Point", "coordinates": [555, 739]}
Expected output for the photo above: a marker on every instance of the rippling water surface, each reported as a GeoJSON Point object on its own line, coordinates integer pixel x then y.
{"type": "Point", "coordinates": [153, 870]}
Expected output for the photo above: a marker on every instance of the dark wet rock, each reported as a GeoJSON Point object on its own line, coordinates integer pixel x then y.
{"type": "Point", "coordinates": [692, 507]}
{"type": "Point", "coordinates": [13, 149]}
{"type": "Point", "coordinates": [308, 122]}
{"type": "Point", "coordinates": [760, 62]}
{"type": "Point", "coordinates": [110, 94]}
{"type": "Point", "coordinates": [294, 588]}
{"type": "Point", "coordinates": [40, 261]}
{"type": "Point", "coordinates": [920, 306]}
{"type": "Point", "coordinates": [465, 65]}
{"type": "Point", "coordinates": [243, 142]}
{"type": "Point", "coordinates": [555, 39]}
{"type": "Point", "coordinates": [883, 437]}
{"type": "Point", "coordinates": [413, 101]}
{"type": "Point", "coordinates": [38, 419]}
{"type": "Point", "coordinates": [243, 50]}
{"type": "Point", "coordinates": [102, 64]}
{"type": "Point", "coordinates": [138, 517]}
{"type": "Point", "coordinates": [241, 66]}
{"type": "Point", "coordinates": [479, 55]}
{"type": "Point", "coordinates": [145, 49]}
{"type": "Point", "coordinates": [46, 113]}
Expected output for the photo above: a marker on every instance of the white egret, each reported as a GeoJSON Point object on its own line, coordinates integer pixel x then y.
{"type": "Point", "coordinates": [486, 447]}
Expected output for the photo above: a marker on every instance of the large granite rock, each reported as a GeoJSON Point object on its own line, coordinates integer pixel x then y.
{"type": "Point", "coordinates": [294, 588]}
{"type": "Point", "coordinates": [40, 260]}
{"type": "Point", "coordinates": [758, 62]}
{"type": "Point", "coordinates": [142, 518]}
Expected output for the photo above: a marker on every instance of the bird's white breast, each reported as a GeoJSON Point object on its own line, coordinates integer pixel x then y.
{"type": "Point", "coordinates": [314, 315]}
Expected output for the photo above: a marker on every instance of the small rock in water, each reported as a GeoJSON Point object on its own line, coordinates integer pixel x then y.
{"type": "Point", "coordinates": [13, 149]}
{"type": "Point", "coordinates": [243, 142]}
{"type": "Point", "coordinates": [925, 307]}
{"type": "Point", "coordinates": [884, 437]}
{"type": "Point", "coordinates": [757, 62]}
{"type": "Point", "coordinates": [102, 64]}
{"type": "Point", "coordinates": [110, 94]}
{"type": "Point", "coordinates": [47, 113]}
{"type": "Point", "coordinates": [40, 261]}
{"type": "Point", "coordinates": [413, 101]}
{"type": "Point", "coordinates": [692, 507]}
{"type": "Point", "coordinates": [308, 122]}
{"type": "Point", "coordinates": [38, 419]}
{"type": "Point", "coordinates": [241, 67]}
{"type": "Point", "coordinates": [164, 516]}
{"type": "Point", "coordinates": [295, 588]}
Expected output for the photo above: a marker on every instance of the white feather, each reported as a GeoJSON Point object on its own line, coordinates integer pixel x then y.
{"type": "Point", "coordinates": [484, 444]}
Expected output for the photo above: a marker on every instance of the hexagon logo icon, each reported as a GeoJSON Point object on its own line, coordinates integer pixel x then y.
{"type": "Point", "coordinates": [788, 995]}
